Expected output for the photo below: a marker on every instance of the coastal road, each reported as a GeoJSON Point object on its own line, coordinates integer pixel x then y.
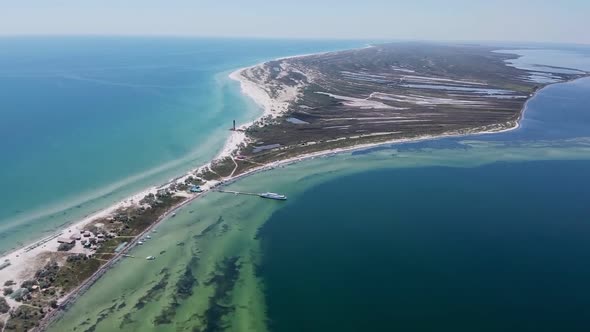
{"type": "Point", "coordinates": [235, 168]}
{"type": "Point", "coordinates": [78, 291]}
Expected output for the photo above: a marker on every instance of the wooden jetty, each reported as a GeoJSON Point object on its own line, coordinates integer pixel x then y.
{"type": "Point", "coordinates": [268, 195]}
{"type": "Point", "coordinates": [237, 192]}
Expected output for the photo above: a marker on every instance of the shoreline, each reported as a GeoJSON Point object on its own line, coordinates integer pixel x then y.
{"type": "Point", "coordinates": [248, 88]}
{"type": "Point", "coordinates": [23, 260]}
{"type": "Point", "coordinates": [236, 138]}
{"type": "Point", "coordinates": [253, 91]}
{"type": "Point", "coordinates": [71, 297]}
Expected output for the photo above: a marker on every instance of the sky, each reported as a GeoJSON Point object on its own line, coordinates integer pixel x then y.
{"type": "Point", "coordinates": [565, 21]}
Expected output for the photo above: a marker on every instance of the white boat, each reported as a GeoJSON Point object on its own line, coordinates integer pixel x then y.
{"type": "Point", "coordinates": [150, 258]}
{"type": "Point", "coordinates": [273, 196]}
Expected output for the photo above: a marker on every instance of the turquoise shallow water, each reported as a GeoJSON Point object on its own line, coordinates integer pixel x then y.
{"type": "Point", "coordinates": [88, 121]}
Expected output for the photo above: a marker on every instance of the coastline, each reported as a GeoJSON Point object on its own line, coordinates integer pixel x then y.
{"type": "Point", "coordinates": [24, 260]}
{"type": "Point", "coordinates": [235, 139]}
{"type": "Point", "coordinates": [71, 297]}
{"type": "Point", "coordinates": [270, 107]}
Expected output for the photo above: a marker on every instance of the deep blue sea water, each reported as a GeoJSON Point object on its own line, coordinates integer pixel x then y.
{"type": "Point", "coordinates": [502, 247]}
{"type": "Point", "coordinates": [497, 247]}
{"type": "Point", "coordinates": [87, 121]}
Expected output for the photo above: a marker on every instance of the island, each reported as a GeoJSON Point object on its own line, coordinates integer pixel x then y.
{"type": "Point", "coordinates": [313, 105]}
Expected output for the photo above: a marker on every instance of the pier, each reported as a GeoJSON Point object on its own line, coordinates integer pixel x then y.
{"type": "Point", "coordinates": [267, 195]}
{"type": "Point", "coordinates": [236, 192]}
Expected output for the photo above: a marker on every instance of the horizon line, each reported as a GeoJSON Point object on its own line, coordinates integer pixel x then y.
{"type": "Point", "coordinates": [321, 38]}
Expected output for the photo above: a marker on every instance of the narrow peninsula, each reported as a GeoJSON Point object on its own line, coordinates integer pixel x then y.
{"type": "Point", "coordinates": [378, 94]}
{"type": "Point", "coordinates": [313, 105]}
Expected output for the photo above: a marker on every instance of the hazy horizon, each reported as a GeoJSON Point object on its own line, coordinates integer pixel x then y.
{"type": "Point", "coordinates": [425, 20]}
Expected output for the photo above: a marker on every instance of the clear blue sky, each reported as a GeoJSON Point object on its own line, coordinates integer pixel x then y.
{"type": "Point", "coordinates": [504, 20]}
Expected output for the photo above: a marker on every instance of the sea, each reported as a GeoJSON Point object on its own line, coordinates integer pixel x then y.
{"type": "Point", "coordinates": [88, 121]}
{"type": "Point", "coordinates": [476, 233]}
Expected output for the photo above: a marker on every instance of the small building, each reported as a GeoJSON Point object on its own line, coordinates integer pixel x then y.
{"type": "Point", "coordinates": [196, 189]}
{"type": "Point", "coordinates": [100, 236]}
{"type": "Point", "coordinates": [65, 240]}
{"type": "Point", "coordinates": [86, 234]}
{"type": "Point", "coordinates": [76, 237]}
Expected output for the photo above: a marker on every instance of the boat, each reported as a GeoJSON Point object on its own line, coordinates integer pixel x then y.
{"type": "Point", "coordinates": [273, 196]}
{"type": "Point", "coordinates": [150, 258]}
{"type": "Point", "coordinates": [140, 242]}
